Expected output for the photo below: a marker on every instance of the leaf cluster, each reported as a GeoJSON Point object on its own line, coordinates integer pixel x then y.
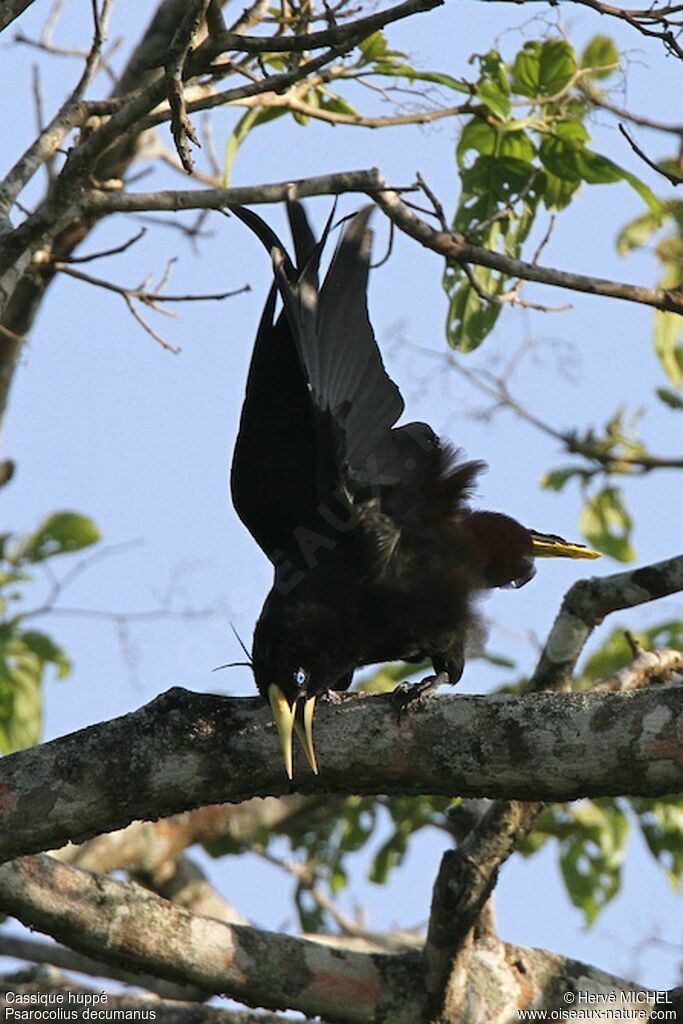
{"type": "Point", "coordinates": [525, 149]}
{"type": "Point", "coordinates": [26, 653]}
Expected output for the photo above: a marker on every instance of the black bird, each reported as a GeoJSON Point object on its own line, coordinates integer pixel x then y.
{"type": "Point", "coordinates": [377, 554]}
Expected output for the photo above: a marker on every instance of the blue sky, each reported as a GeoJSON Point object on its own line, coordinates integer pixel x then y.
{"type": "Point", "coordinates": [103, 421]}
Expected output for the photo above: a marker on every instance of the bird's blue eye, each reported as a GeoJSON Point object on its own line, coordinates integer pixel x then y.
{"type": "Point", "coordinates": [300, 677]}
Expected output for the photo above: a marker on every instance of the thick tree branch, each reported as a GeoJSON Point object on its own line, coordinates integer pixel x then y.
{"type": "Point", "coordinates": [339, 35]}
{"type": "Point", "coordinates": [97, 202]}
{"type": "Point", "coordinates": [11, 9]}
{"type": "Point", "coordinates": [468, 875]}
{"type": "Point", "coordinates": [184, 750]}
{"type": "Point", "coordinates": [152, 847]}
{"type": "Point", "coordinates": [130, 926]}
{"type": "Point", "coordinates": [587, 603]}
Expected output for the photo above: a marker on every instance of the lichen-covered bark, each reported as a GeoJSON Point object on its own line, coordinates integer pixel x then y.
{"type": "Point", "coordinates": [129, 926]}
{"type": "Point", "coordinates": [183, 750]}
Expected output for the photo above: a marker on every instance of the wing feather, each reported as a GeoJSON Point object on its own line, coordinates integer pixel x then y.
{"type": "Point", "coordinates": [320, 408]}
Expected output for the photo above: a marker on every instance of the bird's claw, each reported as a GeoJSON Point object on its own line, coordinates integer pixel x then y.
{"type": "Point", "coordinates": [333, 697]}
{"type": "Point", "coordinates": [410, 695]}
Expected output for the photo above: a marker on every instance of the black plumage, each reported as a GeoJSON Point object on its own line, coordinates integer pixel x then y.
{"type": "Point", "coordinates": [377, 553]}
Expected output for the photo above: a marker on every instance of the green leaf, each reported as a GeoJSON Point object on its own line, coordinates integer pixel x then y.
{"type": "Point", "coordinates": [398, 69]}
{"type": "Point", "coordinates": [558, 192]}
{"type": "Point", "coordinates": [477, 135]}
{"type": "Point", "coordinates": [498, 101]}
{"type": "Point", "coordinates": [561, 157]}
{"type": "Point", "coordinates": [567, 158]}
{"type": "Point", "coordinates": [498, 177]}
{"type": "Point", "coordinates": [471, 318]}
{"type": "Point", "coordinates": [668, 338]}
{"type": "Point", "coordinates": [20, 695]}
{"type": "Point", "coordinates": [61, 533]}
{"type": "Point", "coordinates": [543, 68]}
{"type": "Point", "coordinates": [661, 822]}
{"type": "Point", "coordinates": [558, 66]}
{"type": "Point", "coordinates": [643, 190]}
{"type": "Point", "coordinates": [637, 232]}
{"type": "Point", "coordinates": [374, 47]}
{"type": "Point", "coordinates": [592, 854]}
{"type": "Point", "coordinates": [493, 87]}
{"type": "Point", "coordinates": [526, 70]}
{"type": "Point", "coordinates": [601, 56]}
{"type": "Point", "coordinates": [555, 479]}
{"type": "Point", "coordinates": [607, 525]}
{"type": "Point", "coordinates": [336, 104]}
{"type": "Point", "coordinates": [518, 146]}
{"type": "Point", "coordinates": [670, 398]}
{"type": "Point", "coordinates": [44, 647]}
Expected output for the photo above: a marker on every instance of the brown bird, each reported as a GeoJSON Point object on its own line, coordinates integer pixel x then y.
{"type": "Point", "coordinates": [378, 555]}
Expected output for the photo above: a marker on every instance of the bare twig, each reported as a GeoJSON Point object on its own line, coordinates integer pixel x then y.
{"type": "Point", "coordinates": [181, 126]}
{"type": "Point", "coordinates": [151, 299]}
{"type": "Point", "coordinates": [662, 23]}
{"type": "Point", "coordinates": [598, 100]}
{"type": "Point", "coordinates": [675, 179]}
{"type": "Point", "coordinates": [106, 252]}
{"type": "Point", "coordinates": [68, 115]}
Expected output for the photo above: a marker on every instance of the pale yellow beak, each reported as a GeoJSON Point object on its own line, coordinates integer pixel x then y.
{"type": "Point", "coordinates": [305, 732]}
{"type": "Point", "coordinates": [547, 545]}
{"type": "Point", "coordinates": [286, 721]}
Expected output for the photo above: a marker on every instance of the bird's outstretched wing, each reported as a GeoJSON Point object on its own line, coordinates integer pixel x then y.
{"type": "Point", "coordinates": [320, 407]}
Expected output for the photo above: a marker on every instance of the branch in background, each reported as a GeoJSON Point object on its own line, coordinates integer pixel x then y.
{"type": "Point", "coordinates": [675, 179]}
{"type": "Point", "coordinates": [98, 203]}
{"type": "Point", "coordinates": [338, 35]}
{"type": "Point", "coordinates": [597, 99]}
{"type": "Point", "coordinates": [450, 245]}
{"type": "Point", "coordinates": [585, 606]}
{"type": "Point", "coordinates": [466, 879]}
{"type": "Point", "coordinates": [662, 23]}
{"type": "Point", "coordinates": [296, 104]}
{"type": "Point", "coordinates": [190, 888]}
{"type": "Point", "coordinates": [67, 117]}
{"type": "Point", "coordinates": [454, 247]}
{"type": "Point", "coordinates": [152, 299]}
{"type": "Point", "coordinates": [468, 875]}
{"type": "Point", "coordinates": [38, 982]}
{"type": "Point", "coordinates": [353, 934]}
{"type": "Point", "coordinates": [37, 952]}
{"type": "Point", "coordinates": [153, 847]}
{"type": "Point", "coordinates": [174, 69]}
{"type": "Point", "coordinates": [496, 388]}
{"type": "Point", "coordinates": [647, 667]}
{"type": "Point", "coordinates": [130, 926]}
